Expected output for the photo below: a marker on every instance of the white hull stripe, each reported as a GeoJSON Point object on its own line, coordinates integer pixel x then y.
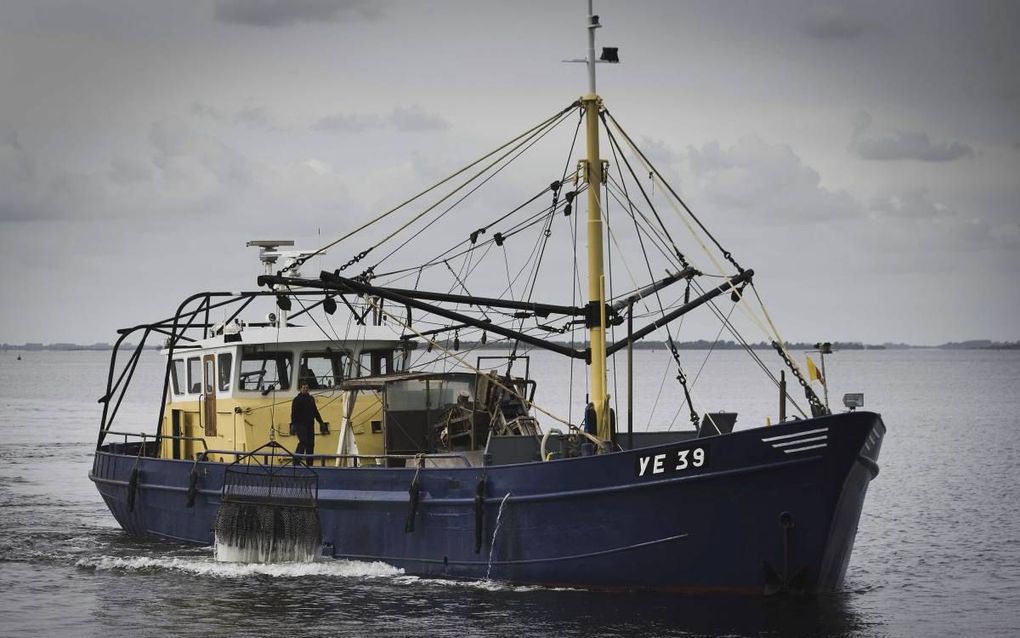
{"type": "Point", "coordinates": [798, 434]}
{"type": "Point", "coordinates": [801, 449]}
{"type": "Point", "coordinates": [799, 441]}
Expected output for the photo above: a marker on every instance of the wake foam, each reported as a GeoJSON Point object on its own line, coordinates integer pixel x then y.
{"type": "Point", "coordinates": [326, 567]}
{"type": "Point", "coordinates": [210, 567]}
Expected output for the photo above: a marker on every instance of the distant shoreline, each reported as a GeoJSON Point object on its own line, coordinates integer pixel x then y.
{"type": "Point", "coordinates": [975, 344]}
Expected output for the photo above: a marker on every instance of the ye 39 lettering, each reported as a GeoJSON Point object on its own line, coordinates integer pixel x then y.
{"type": "Point", "coordinates": [672, 461]}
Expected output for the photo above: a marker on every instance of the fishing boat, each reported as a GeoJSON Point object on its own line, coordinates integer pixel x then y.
{"type": "Point", "coordinates": [435, 452]}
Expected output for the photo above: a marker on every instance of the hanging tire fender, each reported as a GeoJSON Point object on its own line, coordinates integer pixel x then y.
{"type": "Point", "coordinates": [132, 489]}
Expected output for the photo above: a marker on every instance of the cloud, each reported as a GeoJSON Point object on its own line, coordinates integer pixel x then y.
{"type": "Point", "coordinates": [282, 13]}
{"type": "Point", "coordinates": [348, 123]}
{"type": "Point", "coordinates": [909, 205]}
{"type": "Point", "coordinates": [913, 222]}
{"type": "Point", "coordinates": [407, 119]}
{"type": "Point", "coordinates": [31, 190]}
{"type": "Point", "coordinates": [318, 167]}
{"type": "Point", "coordinates": [902, 145]}
{"type": "Point", "coordinates": [15, 163]}
{"type": "Point", "coordinates": [253, 117]}
{"type": "Point", "coordinates": [182, 154]}
{"type": "Point", "coordinates": [201, 109]}
{"type": "Point", "coordinates": [256, 117]}
{"type": "Point", "coordinates": [831, 22]}
{"type": "Point", "coordinates": [127, 171]}
{"type": "Point", "coordinates": [769, 179]}
{"type": "Point", "coordinates": [658, 153]}
{"type": "Point", "coordinates": [414, 118]}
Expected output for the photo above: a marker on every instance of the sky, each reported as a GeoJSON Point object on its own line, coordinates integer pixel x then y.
{"type": "Point", "coordinates": [863, 157]}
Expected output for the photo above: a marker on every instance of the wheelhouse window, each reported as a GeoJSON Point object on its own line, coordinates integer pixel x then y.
{"type": "Point", "coordinates": [194, 375]}
{"type": "Point", "coordinates": [382, 361]}
{"type": "Point", "coordinates": [264, 370]}
{"type": "Point", "coordinates": [177, 376]}
{"type": "Point", "coordinates": [323, 369]}
{"type": "Point", "coordinates": [226, 361]}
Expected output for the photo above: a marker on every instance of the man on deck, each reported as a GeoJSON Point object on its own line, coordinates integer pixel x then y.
{"type": "Point", "coordinates": [303, 414]}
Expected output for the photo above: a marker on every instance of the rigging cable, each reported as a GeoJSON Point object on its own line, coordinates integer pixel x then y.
{"type": "Point", "coordinates": [725, 253]}
{"type": "Point", "coordinates": [509, 388]}
{"type": "Point", "coordinates": [681, 377]}
{"type": "Point", "coordinates": [524, 147]}
{"type": "Point", "coordinates": [777, 341]}
{"type": "Point", "coordinates": [481, 159]}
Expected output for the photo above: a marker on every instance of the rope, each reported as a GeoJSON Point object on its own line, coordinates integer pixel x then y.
{"type": "Point", "coordinates": [726, 253]}
{"type": "Point", "coordinates": [523, 146]}
{"type": "Point", "coordinates": [481, 159]}
{"type": "Point", "coordinates": [472, 368]}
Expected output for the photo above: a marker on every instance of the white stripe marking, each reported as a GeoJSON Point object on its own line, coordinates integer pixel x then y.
{"type": "Point", "coordinates": [790, 436]}
{"type": "Point", "coordinates": [799, 441]}
{"type": "Point", "coordinates": [801, 449]}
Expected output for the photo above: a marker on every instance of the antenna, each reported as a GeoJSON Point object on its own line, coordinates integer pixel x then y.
{"type": "Point", "coordinates": [610, 55]}
{"type": "Point", "coordinates": [269, 254]}
{"type": "Point", "coordinates": [267, 250]}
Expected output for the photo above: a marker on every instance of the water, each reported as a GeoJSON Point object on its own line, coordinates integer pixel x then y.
{"type": "Point", "coordinates": [495, 534]}
{"type": "Point", "coordinates": [937, 553]}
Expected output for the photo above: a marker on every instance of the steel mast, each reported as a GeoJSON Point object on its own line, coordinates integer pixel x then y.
{"type": "Point", "coordinates": [596, 275]}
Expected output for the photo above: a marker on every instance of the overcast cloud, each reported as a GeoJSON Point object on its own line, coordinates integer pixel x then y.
{"type": "Point", "coordinates": [281, 13]}
{"type": "Point", "coordinates": [861, 156]}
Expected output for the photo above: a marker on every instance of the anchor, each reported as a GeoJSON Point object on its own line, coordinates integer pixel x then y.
{"type": "Point", "coordinates": [784, 583]}
{"type": "Point", "coordinates": [268, 513]}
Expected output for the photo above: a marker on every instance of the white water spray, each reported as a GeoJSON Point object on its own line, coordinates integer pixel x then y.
{"type": "Point", "coordinates": [263, 533]}
{"type": "Point", "coordinates": [492, 545]}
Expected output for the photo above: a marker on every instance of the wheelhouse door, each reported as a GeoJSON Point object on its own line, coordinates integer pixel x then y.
{"type": "Point", "coordinates": [209, 388]}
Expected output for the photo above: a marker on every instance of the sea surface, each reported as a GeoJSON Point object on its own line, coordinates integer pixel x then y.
{"type": "Point", "coordinates": [937, 551]}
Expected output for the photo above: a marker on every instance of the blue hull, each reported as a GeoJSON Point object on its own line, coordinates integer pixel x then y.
{"type": "Point", "coordinates": [763, 509]}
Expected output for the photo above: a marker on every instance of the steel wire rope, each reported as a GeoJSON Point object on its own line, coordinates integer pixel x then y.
{"type": "Point", "coordinates": [704, 362]}
{"type": "Point", "coordinates": [681, 377]}
{"type": "Point", "coordinates": [744, 307]}
{"type": "Point", "coordinates": [778, 341]}
{"type": "Point", "coordinates": [604, 208]}
{"type": "Point", "coordinates": [508, 388]}
{"type": "Point", "coordinates": [435, 261]}
{"type": "Point", "coordinates": [630, 274]}
{"type": "Point", "coordinates": [575, 285]}
{"type": "Point", "coordinates": [335, 338]}
{"type": "Point", "coordinates": [556, 192]}
{"type": "Point", "coordinates": [541, 125]}
{"type": "Point", "coordinates": [615, 146]}
{"type": "Point", "coordinates": [647, 229]}
{"type": "Point", "coordinates": [748, 348]}
{"type": "Point", "coordinates": [547, 232]}
{"type": "Point", "coordinates": [429, 209]}
{"type": "Point", "coordinates": [662, 180]}
{"type": "Point", "coordinates": [628, 204]}
{"type": "Point", "coordinates": [523, 149]}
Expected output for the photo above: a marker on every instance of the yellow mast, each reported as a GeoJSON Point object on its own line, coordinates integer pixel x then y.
{"type": "Point", "coordinates": [596, 275]}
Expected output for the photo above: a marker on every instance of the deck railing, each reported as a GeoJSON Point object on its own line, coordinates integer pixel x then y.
{"type": "Point", "coordinates": [311, 460]}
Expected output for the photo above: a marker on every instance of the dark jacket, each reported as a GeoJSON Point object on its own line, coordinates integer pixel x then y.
{"type": "Point", "coordinates": [303, 411]}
